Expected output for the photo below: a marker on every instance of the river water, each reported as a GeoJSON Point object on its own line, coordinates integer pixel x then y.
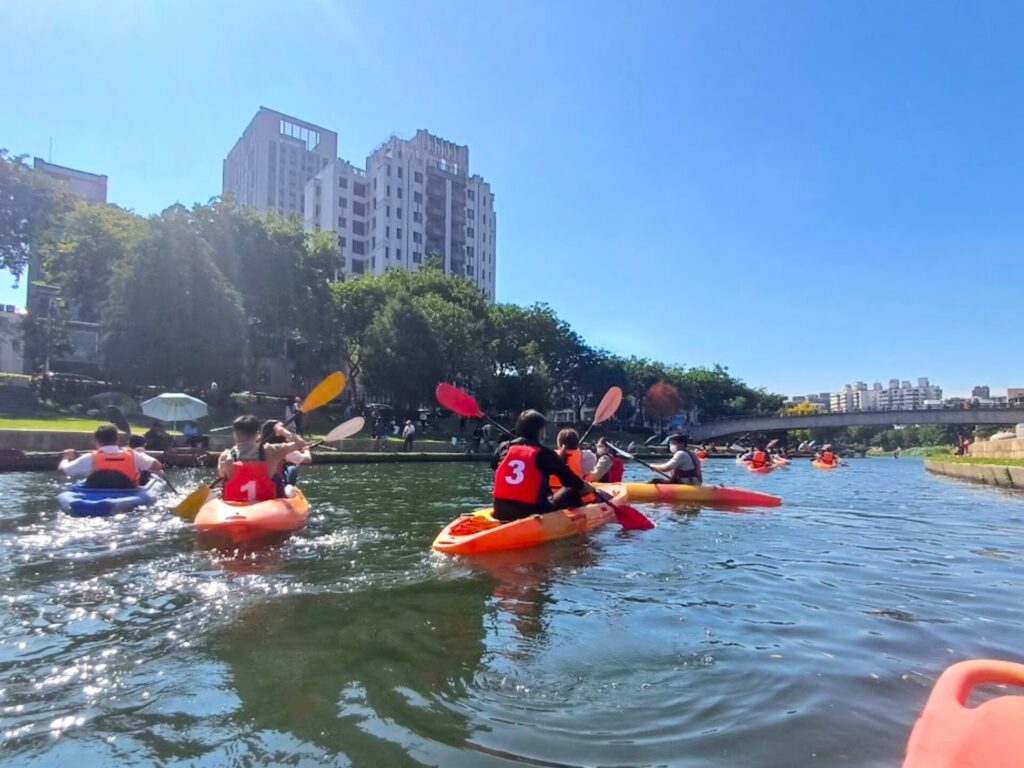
{"type": "Point", "coordinates": [804, 635]}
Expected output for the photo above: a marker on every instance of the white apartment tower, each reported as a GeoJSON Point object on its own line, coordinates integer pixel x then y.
{"type": "Point", "coordinates": [271, 162]}
{"type": "Point", "coordinates": [415, 198]}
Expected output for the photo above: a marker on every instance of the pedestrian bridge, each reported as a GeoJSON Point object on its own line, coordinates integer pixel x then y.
{"type": "Point", "coordinates": [743, 424]}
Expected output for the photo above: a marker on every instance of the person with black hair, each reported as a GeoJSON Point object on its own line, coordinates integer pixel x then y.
{"type": "Point", "coordinates": [524, 467]}
{"type": "Point", "coordinates": [109, 465]}
{"type": "Point", "coordinates": [273, 432]}
{"type": "Point", "coordinates": [249, 468]}
{"type": "Point", "coordinates": [684, 466]}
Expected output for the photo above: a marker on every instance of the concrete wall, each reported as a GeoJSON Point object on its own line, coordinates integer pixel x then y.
{"type": "Point", "coordinates": [989, 474]}
{"type": "Point", "coordinates": [998, 449]}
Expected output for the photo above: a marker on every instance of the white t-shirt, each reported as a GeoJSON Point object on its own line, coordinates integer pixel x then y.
{"type": "Point", "coordinates": [588, 460]}
{"type": "Point", "coordinates": [681, 460]}
{"type": "Point", "coordinates": [409, 430]}
{"type": "Point", "coordinates": [83, 465]}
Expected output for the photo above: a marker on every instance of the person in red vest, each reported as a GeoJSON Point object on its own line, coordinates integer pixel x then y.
{"type": "Point", "coordinates": [567, 446]}
{"type": "Point", "coordinates": [524, 467]}
{"type": "Point", "coordinates": [827, 455]}
{"type": "Point", "coordinates": [250, 469]}
{"type": "Point", "coordinates": [609, 467]}
{"type": "Point", "coordinates": [109, 465]}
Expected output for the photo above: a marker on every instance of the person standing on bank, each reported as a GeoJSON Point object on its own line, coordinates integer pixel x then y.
{"type": "Point", "coordinates": [409, 434]}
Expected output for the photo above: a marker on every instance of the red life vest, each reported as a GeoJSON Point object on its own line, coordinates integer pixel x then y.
{"type": "Point", "coordinates": [574, 460]}
{"type": "Point", "coordinates": [123, 462]}
{"type": "Point", "coordinates": [828, 458]}
{"type": "Point", "coordinates": [615, 471]}
{"type": "Point", "coordinates": [518, 478]}
{"type": "Point", "coordinates": [760, 459]}
{"type": "Point", "coordinates": [250, 482]}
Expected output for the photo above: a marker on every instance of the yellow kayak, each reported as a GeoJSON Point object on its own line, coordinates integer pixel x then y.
{"type": "Point", "coordinates": [669, 493]}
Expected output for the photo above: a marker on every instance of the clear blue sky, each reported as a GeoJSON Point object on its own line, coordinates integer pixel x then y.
{"type": "Point", "coordinates": [807, 192]}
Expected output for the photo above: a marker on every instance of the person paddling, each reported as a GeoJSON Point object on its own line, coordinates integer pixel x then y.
{"type": "Point", "coordinates": [273, 432]}
{"type": "Point", "coordinates": [108, 465]}
{"type": "Point", "coordinates": [609, 468]}
{"type": "Point", "coordinates": [567, 446]}
{"type": "Point", "coordinates": [249, 468]}
{"type": "Point", "coordinates": [827, 456]}
{"type": "Point", "coordinates": [684, 466]}
{"type": "Point", "coordinates": [522, 482]}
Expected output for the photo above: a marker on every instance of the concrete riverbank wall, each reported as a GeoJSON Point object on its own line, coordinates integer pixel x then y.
{"type": "Point", "coordinates": [998, 449]}
{"type": "Point", "coordinates": [989, 474]}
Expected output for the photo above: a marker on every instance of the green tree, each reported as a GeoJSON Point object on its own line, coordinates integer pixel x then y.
{"type": "Point", "coordinates": [46, 335]}
{"type": "Point", "coordinates": [30, 205]}
{"type": "Point", "coordinates": [401, 354]}
{"type": "Point", "coordinates": [172, 317]}
{"type": "Point", "coordinates": [88, 242]}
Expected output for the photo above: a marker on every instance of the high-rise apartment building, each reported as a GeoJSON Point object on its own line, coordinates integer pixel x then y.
{"type": "Point", "coordinates": [898, 396]}
{"type": "Point", "coordinates": [271, 162]}
{"type": "Point", "coordinates": [90, 186]}
{"type": "Point", "coordinates": [981, 391]}
{"type": "Point", "coordinates": [415, 198]}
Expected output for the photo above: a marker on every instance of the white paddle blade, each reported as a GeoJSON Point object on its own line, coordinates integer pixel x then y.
{"type": "Point", "coordinates": [346, 429]}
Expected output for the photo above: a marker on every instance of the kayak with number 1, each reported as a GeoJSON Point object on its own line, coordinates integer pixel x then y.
{"type": "Point", "coordinates": [670, 493]}
{"type": "Point", "coordinates": [246, 522]}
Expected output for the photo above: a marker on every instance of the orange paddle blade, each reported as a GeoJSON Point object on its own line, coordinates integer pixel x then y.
{"type": "Point", "coordinates": [608, 406]}
{"type": "Point", "coordinates": [324, 392]}
{"type": "Point", "coordinates": [454, 399]}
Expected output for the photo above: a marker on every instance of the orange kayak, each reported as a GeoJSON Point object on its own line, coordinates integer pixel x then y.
{"type": "Point", "coordinates": [671, 493]}
{"type": "Point", "coordinates": [242, 522]}
{"type": "Point", "coordinates": [951, 734]}
{"type": "Point", "coordinates": [822, 465]}
{"type": "Point", "coordinates": [480, 532]}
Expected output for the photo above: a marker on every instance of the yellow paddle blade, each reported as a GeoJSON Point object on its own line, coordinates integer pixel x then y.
{"type": "Point", "coordinates": [189, 507]}
{"type": "Point", "coordinates": [324, 392]}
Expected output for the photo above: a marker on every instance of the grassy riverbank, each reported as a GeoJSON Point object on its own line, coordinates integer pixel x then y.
{"type": "Point", "coordinates": [982, 460]}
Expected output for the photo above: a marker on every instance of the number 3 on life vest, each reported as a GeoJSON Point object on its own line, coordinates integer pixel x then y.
{"type": "Point", "coordinates": [518, 472]}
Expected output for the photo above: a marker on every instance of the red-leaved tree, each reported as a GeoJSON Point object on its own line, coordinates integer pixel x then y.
{"type": "Point", "coordinates": [663, 401]}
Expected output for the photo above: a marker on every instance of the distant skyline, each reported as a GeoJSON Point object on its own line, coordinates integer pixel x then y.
{"type": "Point", "coordinates": [807, 193]}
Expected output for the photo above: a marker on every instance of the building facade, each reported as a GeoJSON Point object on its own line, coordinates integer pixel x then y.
{"type": "Point", "coordinates": [414, 199]}
{"type": "Point", "coordinates": [11, 340]}
{"type": "Point", "coordinates": [271, 162]}
{"type": "Point", "coordinates": [982, 391]}
{"type": "Point", "coordinates": [898, 396]}
{"type": "Point", "coordinates": [90, 186]}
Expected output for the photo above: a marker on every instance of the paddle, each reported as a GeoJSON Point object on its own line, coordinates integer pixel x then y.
{"type": "Point", "coordinates": [119, 420]}
{"type": "Point", "coordinates": [189, 507]}
{"type": "Point", "coordinates": [626, 455]}
{"type": "Point", "coordinates": [605, 409]}
{"type": "Point", "coordinates": [464, 404]}
{"type": "Point", "coordinates": [320, 395]}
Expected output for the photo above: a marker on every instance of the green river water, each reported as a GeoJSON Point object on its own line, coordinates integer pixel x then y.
{"type": "Point", "coordinates": [804, 635]}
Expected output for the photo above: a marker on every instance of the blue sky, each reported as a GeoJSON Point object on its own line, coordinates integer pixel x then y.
{"type": "Point", "coordinates": [807, 192]}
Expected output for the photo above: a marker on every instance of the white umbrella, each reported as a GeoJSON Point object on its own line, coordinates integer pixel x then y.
{"type": "Point", "coordinates": [174, 407]}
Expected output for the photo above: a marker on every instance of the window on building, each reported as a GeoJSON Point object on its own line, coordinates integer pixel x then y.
{"type": "Point", "coordinates": [387, 252]}
{"type": "Point", "coordinates": [469, 213]}
{"type": "Point", "coordinates": [359, 246]}
{"type": "Point", "coordinates": [469, 270]}
{"type": "Point", "coordinates": [398, 232]}
{"type": "Point", "coordinates": [373, 242]}
{"type": "Point", "coordinates": [359, 189]}
{"type": "Point", "coordinates": [342, 222]}
{"type": "Point", "coordinates": [400, 195]}
{"type": "Point", "coordinates": [375, 185]}
{"type": "Point", "coordinates": [375, 203]}
{"type": "Point", "coordinates": [417, 257]}
{"type": "Point", "coordinates": [470, 232]}
{"type": "Point", "coordinates": [343, 202]}
{"type": "Point", "coordinates": [398, 251]}
{"type": "Point", "coordinates": [389, 169]}
{"type": "Point", "coordinates": [341, 241]}
{"type": "Point", "coordinates": [398, 212]}
{"type": "Point", "coordinates": [358, 266]}
{"type": "Point", "coordinates": [389, 190]}
{"type": "Point", "coordinates": [343, 182]}
{"type": "Point", "coordinates": [373, 262]}
{"type": "Point", "coordinates": [417, 177]}
{"type": "Point", "coordinates": [417, 197]}
{"type": "Point", "coordinates": [373, 223]}
{"type": "Point", "coordinates": [417, 237]}
{"type": "Point", "coordinates": [358, 227]}
{"type": "Point", "coordinates": [387, 211]}
{"type": "Point", "coordinates": [469, 251]}
{"type": "Point", "coordinates": [387, 231]}
{"type": "Point", "coordinates": [417, 216]}
{"type": "Point", "coordinates": [399, 171]}
{"type": "Point", "coordinates": [470, 194]}
{"type": "Point", "coordinates": [359, 209]}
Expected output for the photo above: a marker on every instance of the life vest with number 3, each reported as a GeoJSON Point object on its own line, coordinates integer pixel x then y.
{"type": "Point", "coordinates": [250, 482]}
{"type": "Point", "coordinates": [518, 478]}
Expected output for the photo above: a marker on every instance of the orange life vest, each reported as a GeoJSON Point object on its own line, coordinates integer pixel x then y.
{"type": "Point", "coordinates": [574, 460]}
{"type": "Point", "coordinates": [123, 462]}
{"type": "Point", "coordinates": [760, 459]}
{"type": "Point", "coordinates": [828, 458]}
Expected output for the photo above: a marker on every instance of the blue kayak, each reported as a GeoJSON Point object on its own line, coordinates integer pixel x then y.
{"type": "Point", "coordinates": [79, 501]}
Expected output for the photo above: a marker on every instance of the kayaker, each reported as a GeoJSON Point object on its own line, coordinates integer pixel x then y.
{"type": "Point", "coordinates": [138, 444]}
{"type": "Point", "coordinates": [158, 438]}
{"type": "Point", "coordinates": [683, 467]}
{"type": "Point", "coordinates": [273, 432]}
{"type": "Point", "coordinates": [567, 446]}
{"type": "Point", "coordinates": [522, 482]}
{"type": "Point", "coordinates": [249, 467]}
{"type": "Point", "coordinates": [827, 455]}
{"type": "Point", "coordinates": [609, 467]}
{"type": "Point", "coordinates": [109, 465]}
{"type": "Point", "coordinates": [760, 458]}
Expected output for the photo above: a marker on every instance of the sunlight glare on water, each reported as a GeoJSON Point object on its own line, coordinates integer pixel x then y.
{"type": "Point", "coordinates": [805, 634]}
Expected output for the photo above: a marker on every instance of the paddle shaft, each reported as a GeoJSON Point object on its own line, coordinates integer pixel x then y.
{"type": "Point", "coordinates": [644, 463]}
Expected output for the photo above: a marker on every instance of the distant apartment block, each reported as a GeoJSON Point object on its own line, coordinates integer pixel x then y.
{"type": "Point", "coordinates": [91, 186]}
{"type": "Point", "coordinates": [414, 198]}
{"type": "Point", "coordinates": [271, 162]}
{"type": "Point", "coordinates": [982, 391]}
{"type": "Point", "coordinates": [1015, 395]}
{"type": "Point", "coordinates": [898, 396]}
